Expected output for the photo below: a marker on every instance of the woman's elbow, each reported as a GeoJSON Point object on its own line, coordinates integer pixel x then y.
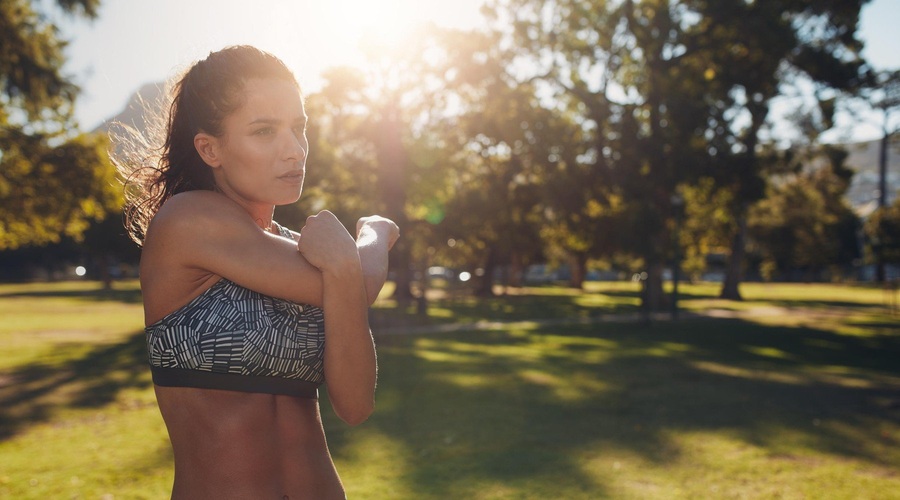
{"type": "Point", "coordinates": [371, 296]}
{"type": "Point", "coordinates": [355, 414]}
{"type": "Point", "coordinates": [373, 289]}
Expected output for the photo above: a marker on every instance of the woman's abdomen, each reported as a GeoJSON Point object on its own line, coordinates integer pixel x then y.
{"type": "Point", "coordinates": [247, 445]}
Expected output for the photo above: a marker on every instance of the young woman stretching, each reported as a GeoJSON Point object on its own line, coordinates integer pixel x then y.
{"type": "Point", "coordinates": [245, 318]}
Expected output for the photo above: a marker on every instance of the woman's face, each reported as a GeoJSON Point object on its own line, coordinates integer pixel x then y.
{"type": "Point", "coordinates": [260, 159]}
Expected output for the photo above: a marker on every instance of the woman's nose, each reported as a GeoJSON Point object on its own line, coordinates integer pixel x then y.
{"type": "Point", "coordinates": [296, 147]}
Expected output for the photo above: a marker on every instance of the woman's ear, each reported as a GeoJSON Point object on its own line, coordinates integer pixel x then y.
{"type": "Point", "coordinates": [208, 148]}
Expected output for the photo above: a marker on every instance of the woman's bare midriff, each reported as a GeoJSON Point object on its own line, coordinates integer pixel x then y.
{"type": "Point", "coordinates": [242, 445]}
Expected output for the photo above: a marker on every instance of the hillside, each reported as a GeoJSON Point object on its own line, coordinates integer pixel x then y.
{"type": "Point", "coordinates": [863, 193]}
{"type": "Point", "coordinates": [149, 96]}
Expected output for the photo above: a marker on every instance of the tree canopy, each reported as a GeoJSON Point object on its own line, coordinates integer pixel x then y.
{"type": "Point", "coordinates": [577, 131]}
{"type": "Point", "coordinates": [53, 181]}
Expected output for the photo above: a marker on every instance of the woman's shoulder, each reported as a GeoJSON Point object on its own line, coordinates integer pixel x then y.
{"type": "Point", "coordinates": [199, 203]}
{"type": "Point", "coordinates": [196, 213]}
{"type": "Point", "coordinates": [198, 206]}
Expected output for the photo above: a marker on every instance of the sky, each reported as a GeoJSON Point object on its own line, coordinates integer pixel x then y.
{"type": "Point", "coordinates": [133, 42]}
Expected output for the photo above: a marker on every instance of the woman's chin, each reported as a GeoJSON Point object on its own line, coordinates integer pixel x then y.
{"type": "Point", "coordinates": [288, 199]}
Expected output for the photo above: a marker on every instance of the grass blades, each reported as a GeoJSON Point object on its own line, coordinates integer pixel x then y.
{"type": "Point", "coordinates": [793, 393]}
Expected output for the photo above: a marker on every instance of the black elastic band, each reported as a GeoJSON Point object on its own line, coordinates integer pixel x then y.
{"type": "Point", "coordinates": [179, 377]}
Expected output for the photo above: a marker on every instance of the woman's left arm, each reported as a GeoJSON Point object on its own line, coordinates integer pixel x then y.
{"type": "Point", "coordinates": [375, 236]}
{"type": "Point", "coordinates": [350, 363]}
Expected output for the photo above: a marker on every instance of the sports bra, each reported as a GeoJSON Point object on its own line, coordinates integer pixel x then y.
{"type": "Point", "coordinates": [236, 339]}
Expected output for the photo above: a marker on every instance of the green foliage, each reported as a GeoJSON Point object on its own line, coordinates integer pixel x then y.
{"type": "Point", "coordinates": [707, 224]}
{"type": "Point", "coordinates": [52, 182]}
{"type": "Point", "coordinates": [568, 131]}
{"type": "Point", "coordinates": [882, 231]}
{"type": "Point", "coordinates": [376, 146]}
{"type": "Point", "coordinates": [804, 224]}
{"type": "Point", "coordinates": [31, 56]}
{"type": "Point", "coordinates": [47, 192]}
{"type": "Point", "coordinates": [754, 50]}
{"type": "Point", "coordinates": [671, 94]}
{"type": "Point", "coordinates": [509, 151]}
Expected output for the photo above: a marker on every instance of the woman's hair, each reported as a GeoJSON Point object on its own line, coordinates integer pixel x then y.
{"type": "Point", "coordinates": [210, 90]}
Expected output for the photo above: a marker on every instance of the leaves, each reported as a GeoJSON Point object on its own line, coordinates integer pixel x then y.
{"type": "Point", "coordinates": [569, 126]}
{"type": "Point", "coordinates": [50, 191]}
{"type": "Point", "coordinates": [52, 182]}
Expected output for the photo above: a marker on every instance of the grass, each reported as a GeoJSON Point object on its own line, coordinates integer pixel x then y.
{"type": "Point", "coordinates": [793, 393]}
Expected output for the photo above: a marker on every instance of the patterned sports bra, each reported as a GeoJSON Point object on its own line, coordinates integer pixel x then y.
{"type": "Point", "coordinates": [232, 338]}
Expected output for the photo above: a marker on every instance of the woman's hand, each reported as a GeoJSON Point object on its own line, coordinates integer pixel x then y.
{"type": "Point", "coordinates": [375, 235]}
{"type": "Point", "coordinates": [325, 242]}
{"type": "Point", "coordinates": [385, 228]}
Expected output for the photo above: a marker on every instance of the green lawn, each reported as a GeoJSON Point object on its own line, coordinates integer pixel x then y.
{"type": "Point", "coordinates": [793, 393]}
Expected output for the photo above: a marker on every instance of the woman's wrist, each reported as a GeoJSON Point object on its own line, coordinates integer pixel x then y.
{"type": "Point", "coordinates": [347, 268]}
{"type": "Point", "coordinates": [377, 228]}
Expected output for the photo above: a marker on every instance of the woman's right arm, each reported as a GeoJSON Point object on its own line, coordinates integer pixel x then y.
{"type": "Point", "coordinates": [205, 233]}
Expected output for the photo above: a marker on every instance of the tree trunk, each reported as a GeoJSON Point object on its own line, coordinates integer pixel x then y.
{"type": "Point", "coordinates": [486, 282]}
{"type": "Point", "coordinates": [392, 165]}
{"type": "Point", "coordinates": [882, 198]}
{"type": "Point", "coordinates": [579, 270]}
{"type": "Point", "coordinates": [103, 263]}
{"type": "Point", "coordinates": [516, 272]}
{"type": "Point", "coordinates": [734, 266]}
{"type": "Point", "coordinates": [400, 265]}
{"type": "Point", "coordinates": [424, 285]}
{"type": "Point", "coordinates": [653, 298]}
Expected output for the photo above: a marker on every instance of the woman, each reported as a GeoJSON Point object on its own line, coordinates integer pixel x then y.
{"type": "Point", "coordinates": [244, 317]}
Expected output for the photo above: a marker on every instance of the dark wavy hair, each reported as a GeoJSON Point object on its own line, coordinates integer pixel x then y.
{"type": "Point", "coordinates": [201, 99]}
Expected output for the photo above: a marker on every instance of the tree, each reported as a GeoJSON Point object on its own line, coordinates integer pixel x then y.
{"type": "Point", "coordinates": [885, 97]}
{"type": "Point", "coordinates": [49, 191]}
{"type": "Point", "coordinates": [620, 70]}
{"type": "Point", "coordinates": [510, 149]}
{"type": "Point", "coordinates": [755, 49]}
{"type": "Point", "coordinates": [804, 227]}
{"type": "Point", "coordinates": [674, 91]}
{"type": "Point", "coordinates": [882, 230]}
{"type": "Point", "coordinates": [883, 94]}
{"type": "Point", "coordinates": [497, 203]}
{"type": "Point", "coordinates": [52, 182]}
{"type": "Point", "coordinates": [707, 224]}
{"type": "Point", "coordinates": [372, 146]}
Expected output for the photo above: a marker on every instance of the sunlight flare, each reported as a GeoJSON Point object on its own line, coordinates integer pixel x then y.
{"type": "Point", "coordinates": [381, 25]}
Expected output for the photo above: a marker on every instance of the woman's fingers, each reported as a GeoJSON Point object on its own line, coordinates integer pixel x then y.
{"type": "Point", "coordinates": [324, 241]}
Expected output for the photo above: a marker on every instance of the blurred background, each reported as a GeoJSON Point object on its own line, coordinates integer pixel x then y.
{"type": "Point", "coordinates": [515, 142]}
{"type": "Point", "coordinates": [567, 176]}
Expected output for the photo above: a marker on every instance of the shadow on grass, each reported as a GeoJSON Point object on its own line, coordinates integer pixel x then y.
{"type": "Point", "coordinates": [820, 304]}
{"type": "Point", "coordinates": [547, 411]}
{"type": "Point", "coordinates": [636, 294]}
{"type": "Point", "coordinates": [35, 392]}
{"type": "Point", "coordinates": [467, 308]}
{"type": "Point", "coordinates": [791, 302]}
{"type": "Point", "coordinates": [510, 408]}
{"type": "Point", "coordinates": [127, 295]}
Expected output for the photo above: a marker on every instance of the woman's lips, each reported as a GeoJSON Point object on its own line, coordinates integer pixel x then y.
{"type": "Point", "coordinates": [294, 176]}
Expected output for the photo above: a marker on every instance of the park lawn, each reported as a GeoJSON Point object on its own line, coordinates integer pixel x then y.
{"type": "Point", "coordinates": [794, 395]}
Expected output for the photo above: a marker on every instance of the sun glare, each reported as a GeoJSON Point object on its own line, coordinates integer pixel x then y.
{"type": "Point", "coordinates": [385, 24]}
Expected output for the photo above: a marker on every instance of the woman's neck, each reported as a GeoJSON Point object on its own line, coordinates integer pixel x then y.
{"type": "Point", "coordinates": [261, 213]}
{"type": "Point", "coordinates": [266, 225]}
